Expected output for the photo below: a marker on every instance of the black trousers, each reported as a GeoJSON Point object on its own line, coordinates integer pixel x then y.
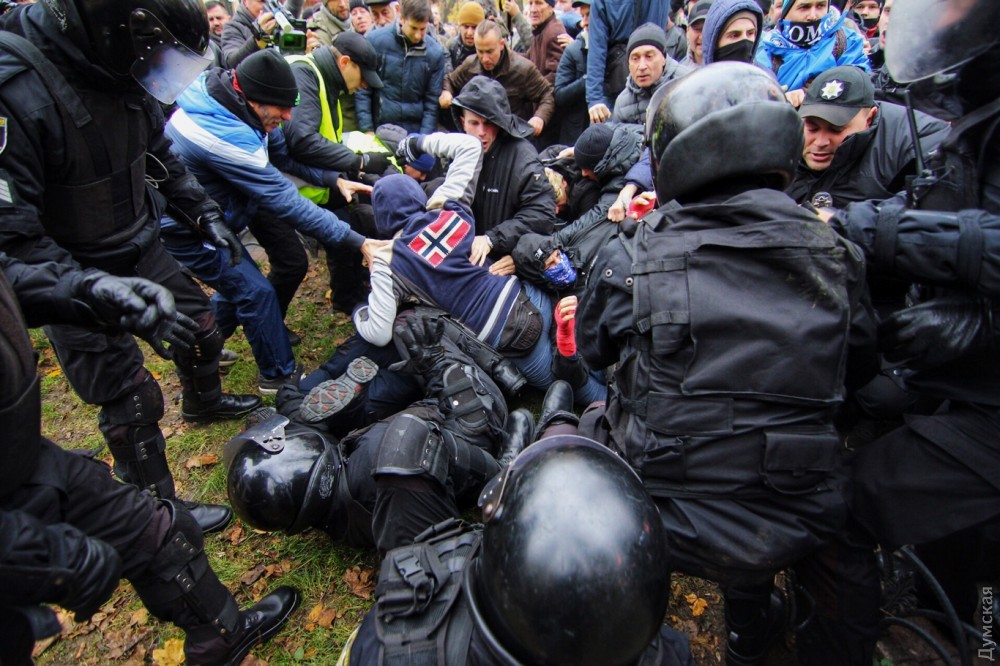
{"type": "Point", "coordinates": [102, 368]}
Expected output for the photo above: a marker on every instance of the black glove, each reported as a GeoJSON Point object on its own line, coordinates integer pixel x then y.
{"type": "Point", "coordinates": [375, 163]}
{"type": "Point", "coordinates": [410, 148]}
{"type": "Point", "coordinates": [93, 566]}
{"type": "Point", "coordinates": [418, 340]}
{"type": "Point", "coordinates": [142, 308]}
{"type": "Point", "coordinates": [937, 332]}
{"type": "Point", "coordinates": [220, 235]}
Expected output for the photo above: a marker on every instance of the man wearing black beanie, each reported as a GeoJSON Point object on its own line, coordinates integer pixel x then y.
{"type": "Point", "coordinates": [224, 131]}
{"type": "Point", "coordinates": [649, 69]}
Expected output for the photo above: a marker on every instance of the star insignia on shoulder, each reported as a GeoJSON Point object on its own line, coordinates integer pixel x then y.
{"type": "Point", "coordinates": [832, 89]}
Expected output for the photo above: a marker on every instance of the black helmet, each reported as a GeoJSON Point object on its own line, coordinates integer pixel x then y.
{"type": "Point", "coordinates": [161, 44]}
{"type": "Point", "coordinates": [721, 121]}
{"type": "Point", "coordinates": [928, 37]}
{"type": "Point", "coordinates": [573, 566]}
{"type": "Point", "coordinates": [281, 475]}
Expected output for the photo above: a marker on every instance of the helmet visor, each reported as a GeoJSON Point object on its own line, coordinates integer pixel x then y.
{"type": "Point", "coordinates": [164, 66]}
{"type": "Point", "coordinates": [928, 37]}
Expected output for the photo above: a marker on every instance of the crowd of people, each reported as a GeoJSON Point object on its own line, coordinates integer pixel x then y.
{"type": "Point", "coordinates": [746, 248]}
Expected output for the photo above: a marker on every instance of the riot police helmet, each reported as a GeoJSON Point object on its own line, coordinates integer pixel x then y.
{"type": "Point", "coordinates": [573, 563]}
{"type": "Point", "coordinates": [724, 121]}
{"type": "Point", "coordinates": [281, 475]}
{"type": "Point", "coordinates": [161, 44]}
{"type": "Point", "coordinates": [930, 37]}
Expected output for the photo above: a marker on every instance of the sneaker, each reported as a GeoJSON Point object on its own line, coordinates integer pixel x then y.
{"type": "Point", "coordinates": [270, 385]}
{"type": "Point", "coordinates": [334, 395]}
{"type": "Point", "coordinates": [227, 358]}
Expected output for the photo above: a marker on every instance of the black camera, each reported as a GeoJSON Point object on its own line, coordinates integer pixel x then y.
{"type": "Point", "coordinates": [290, 38]}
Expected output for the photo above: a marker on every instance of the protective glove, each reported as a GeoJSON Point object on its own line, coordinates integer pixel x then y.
{"type": "Point", "coordinates": [375, 163]}
{"type": "Point", "coordinates": [937, 332]}
{"type": "Point", "coordinates": [418, 340]}
{"type": "Point", "coordinates": [93, 569]}
{"type": "Point", "coordinates": [140, 307]}
{"type": "Point", "coordinates": [220, 235]}
{"type": "Point", "coordinates": [410, 148]}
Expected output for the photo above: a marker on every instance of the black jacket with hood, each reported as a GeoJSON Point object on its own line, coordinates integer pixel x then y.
{"type": "Point", "coordinates": [513, 196]}
{"type": "Point", "coordinates": [872, 163]}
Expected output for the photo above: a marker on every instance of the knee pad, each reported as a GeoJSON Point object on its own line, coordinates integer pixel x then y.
{"type": "Point", "coordinates": [143, 405]}
{"type": "Point", "coordinates": [411, 446]}
{"type": "Point", "coordinates": [467, 401]}
{"type": "Point", "coordinates": [179, 573]}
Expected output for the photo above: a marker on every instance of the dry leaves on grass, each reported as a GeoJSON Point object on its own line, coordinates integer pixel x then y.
{"type": "Point", "coordinates": [322, 617]}
{"type": "Point", "coordinates": [203, 460]}
{"type": "Point", "coordinates": [698, 605]}
{"type": "Point", "coordinates": [171, 654]}
{"type": "Point", "coordinates": [360, 582]}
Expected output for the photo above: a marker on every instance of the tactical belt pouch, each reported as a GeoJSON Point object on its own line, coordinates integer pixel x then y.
{"type": "Point", "coordinates": [798, 463]}
{"type": "Point", "coordinates": [417, 589]}
{"type": "Point", "coordinates": [523, 327]}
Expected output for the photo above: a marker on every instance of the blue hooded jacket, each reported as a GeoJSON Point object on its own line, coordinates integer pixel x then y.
{"type": "Point", "coordinates": [799, 65]}
{"type": "Point", "coordinates": [718, 16]}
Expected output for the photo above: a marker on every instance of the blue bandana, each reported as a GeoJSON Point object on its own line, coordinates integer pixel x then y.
{"type": "Point", "coordinates": [562, 274]}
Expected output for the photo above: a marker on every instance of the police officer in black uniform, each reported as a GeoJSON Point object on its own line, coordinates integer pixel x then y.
{"type": "Point", "coordinates": [735, 318]}
{"type": "Point", "coordinates": [933, 480]}
{"type": "Point", "coordinates": [384, 484]}
{"type": "Point", "coordinates": [85, 173]}
{"type": "Point", "coordinates": [68, 531]}
{"type": "Point", "coordinates": [568, 569]}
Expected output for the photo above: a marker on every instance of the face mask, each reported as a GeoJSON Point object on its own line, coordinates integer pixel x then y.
{"type": "Point", "coordinates": [562, 274]}
{"type": "Point", "coordinates": [869, 23]}
{"type": "Point", "coordinates": [741, 51]}
{"type": "Point", "coordinates": [802, 34]}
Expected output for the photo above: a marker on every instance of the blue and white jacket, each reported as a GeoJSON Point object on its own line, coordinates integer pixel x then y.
{"type": "Point", "coordinates": [227, 151]}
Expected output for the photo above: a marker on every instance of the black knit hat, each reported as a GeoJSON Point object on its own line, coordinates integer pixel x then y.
{"type": "Point", "coordinates": [266, 78]}
{"type": "Point", "coordinates": [593, 143]}
{"type": "Point", "coordinates": [647, 34]}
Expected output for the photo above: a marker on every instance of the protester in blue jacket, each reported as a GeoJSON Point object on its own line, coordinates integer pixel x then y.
{"type": "Point", "coordinates": [220, 132]}
{"type": "Point", "coordinates": [412, 69]}
{"type": "Point", "coordinates": [809, 39]}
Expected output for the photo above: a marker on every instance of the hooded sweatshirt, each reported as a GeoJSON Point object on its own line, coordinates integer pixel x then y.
{"type": "Point", "coordinates": [718, 16]}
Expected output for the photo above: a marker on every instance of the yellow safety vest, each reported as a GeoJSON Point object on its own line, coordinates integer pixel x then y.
{"type": "Point", "coordinates": [327, 130]}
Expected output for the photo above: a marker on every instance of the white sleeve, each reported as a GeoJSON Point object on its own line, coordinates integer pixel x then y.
{"type": "Point", "coordinates": [466, 155]}
{"type": "Point", "coordinates": [374, 320]}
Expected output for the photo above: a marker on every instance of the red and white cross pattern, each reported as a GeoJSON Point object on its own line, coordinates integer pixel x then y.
{"type": "Point", "coordinates": [439, 238]}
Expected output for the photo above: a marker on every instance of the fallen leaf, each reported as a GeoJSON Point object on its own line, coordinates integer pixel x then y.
{"type": "Point", "coordinates": [360, 582]}
{"type": "Point", "coordinates": [171, 654]}
{"type": "Point", "coordinates": [54, 372]}
{"type": "Point", "coordinates": [698, 605]}
{"type": "Point", "coordinates": [139, 617]}
{"type": "Point", "coordinates": [156, 375]}
{"type": "Point", "coordinates": [167, 432]}
{"type": "Point", "coordinates": [203, 460]}
{"type": "Point", "coordinates": [322, 616]}
{"type": "Point", "coordinates": [250, 577]}
{"type": "Point", "coordinates": [234, 534]}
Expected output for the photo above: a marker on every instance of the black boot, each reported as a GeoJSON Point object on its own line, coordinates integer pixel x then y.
{"type": "Point", "coordinates": [203, 399]}
{"type": "Point", "coordinates": [519, 432]}
{"type": "Point", "coordinates": [256, 625]}
{"type": "Point", "coordinates": [557, 406]}
{"type": "Point", "coordinates": [755, 619]}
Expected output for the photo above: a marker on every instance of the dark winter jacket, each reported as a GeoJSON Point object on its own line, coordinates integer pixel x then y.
{"type": "Point", "coordinates": [873, 163]}
{"type": "Point", "coordinates": [513, 196]}
{"type": "Point", "coordinates": [412, 75]}
{"type": "Point", "coordinates": [239, 38]}
{"type": "Point", "coordinates": [571, 91]}
{"type": "Point", "coordinates": [935, 98]}
{"type": "Point", "coordinates": [612, 22]}
{"type": "Point", "coordinates": [583, 238]}
{"type": "Point", "coordinates": [457, 54]}
{"type": "Point", "coordinates": [545, 50]}
{"type": "Point", "coordinates": [305, 143]}
{"type": "Point", "coordinates": [630, 107]}
{"type": "Point", "coordinates": [528, 93]}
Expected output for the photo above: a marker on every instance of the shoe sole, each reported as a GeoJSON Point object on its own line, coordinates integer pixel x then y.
{"type": "Point", "coordinates": [334, 395]}
{"type": "Point", "coordinates": [272, 390]}
{"type": "Point", "coordinates": [260, 637]}
{"type": "Point", "coordinates": [228, 361]}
